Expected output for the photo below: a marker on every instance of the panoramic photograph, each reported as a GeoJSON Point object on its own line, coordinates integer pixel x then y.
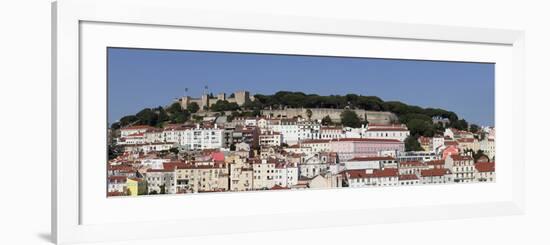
{"type": "Point", "coordinates": [191, 122]}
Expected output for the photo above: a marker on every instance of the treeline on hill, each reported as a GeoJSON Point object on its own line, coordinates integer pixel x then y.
{"type": "Point", "coordinates": [418, 119]}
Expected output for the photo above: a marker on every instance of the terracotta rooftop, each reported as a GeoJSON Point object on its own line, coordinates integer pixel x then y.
{"type": "Point", "coordinates": [408, 177]}
{"type": "Point", "coordinates": [376, 173]}
{"type": "Point", "coordinates": [485, 166]}
{"type": "Point", "coordinates": [434, 172]}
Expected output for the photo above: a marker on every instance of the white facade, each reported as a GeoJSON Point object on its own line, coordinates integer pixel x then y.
{"type": "Point", "coordinates": [369, 162]}
{"type": "Point", "coordinates": [124, 132]}
{"type": "Point", "coordinates": [286, 175]}
{"type": "Point", "coordinates": [263, 175]}
{"type": "Point", "coordinates": [294, 131]}
{"type": "Point", "coordinates": [316, 145]}
{"type": "Point", "coordinates": [373, 178]}
{"type": "Point", "coordinates": [161, 181]}
{"type": "Point", "coordinates": [488, 147]}
{"type": "Point", "coordinates": [202, 138]}
{"type": "Point", "coordinates": [271, 139]}
{"type": "Point", "coordinates": [437, 143]}
{"type": "Point", "coordinates": [462, 167]}
{"type": "Point", "coordinates": [396, 134]}
{"type": "Point", "coordinates": [146, 148]}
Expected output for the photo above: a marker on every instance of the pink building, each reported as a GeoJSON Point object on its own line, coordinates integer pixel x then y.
{"type": "Point", "coordinates": [349, 148]}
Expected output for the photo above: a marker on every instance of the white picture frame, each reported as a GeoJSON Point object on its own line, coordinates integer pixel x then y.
{"type": "Point", "coordinates": [69, 197]}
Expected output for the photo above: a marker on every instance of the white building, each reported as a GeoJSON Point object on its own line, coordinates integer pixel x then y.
{"type": "Point", "coordinates": [412, 167]}
{"type": "Point", "coordinates": [316, 145]}
{"type": "Point", "coordinates": [134, 130]}
{"type": "Point", "coordinates": [161, 181]}
{"type": "Point", "coordinates": [488, 147]}
{"type": "Point", "coordinates": [294, 130]}
{"type": "Point", "coordinates": [372, 177]}
{"type": "Point", "coordinates": [462, 167]}
{"type": "Point", "coordinates": [485, 171]}
{"type": "Point", "coordinates": [146, 148]}
{"type": "Point", "coordinates": [263, 174]}
{"type": "Point", "coordinates": [271, 139]}
{"type": "Point", "coordinates": [326, 181]}
{"type": "Point", "coordinates": [436, 176]}
{"type": "Point", "coordinates": [369, 162]}
{"type": "Point", "coordinates": [132, 139]}
{"type": "Point", "coordinates": [286, 175]}
{"type": "Point", "coordinates": [202, 138]}
{"type": "Point", "coordinates": [394, 131]}
{"type": "Point", "coordinates": [422, 156]}
{"type": "Point", "coordinates": [328, 133]}
{"type": "Point", "coordinates": [116, 183]}
{"type": "Point", "coordinates": [437, 143]}
{"type": "Point", "coordinates": [408, 179]}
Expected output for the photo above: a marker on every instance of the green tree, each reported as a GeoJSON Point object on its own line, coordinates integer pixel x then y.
{"type": "Point", "coordinates": [420, 127]}
{"type": "Point", "coordinates": [223, 105]}
{"type": "Point", "coordinates": [193, 107]}
{"type": "Point", "coordinates": [180, 117]}
{"type": "Point", "coordinates": [175, 108]}
{"type": "Point", "coordinates": [474, 128]}
{"type": "Point", "coordinates": [128, 120]}
{"type": "Point", "coordinates": [147, 117]}
{"type": "Point", "coordinates": [412, 144]}
{"type": "Point", "coordinates": [350, 119]}
{"type": "Point", "coordinates": [174, 150]}
{"type": "Point", "coordinates": [460, 124]}
{"type": "Point", "coordinates": [309, 113]}
{"type": "Point", "coordinates": [162, 115]}
{"type": "Point", "coordinates": [326, 120]}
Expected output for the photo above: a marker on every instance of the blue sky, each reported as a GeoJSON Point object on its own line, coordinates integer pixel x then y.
{"type": "Point", "coordinates": [140, 78]}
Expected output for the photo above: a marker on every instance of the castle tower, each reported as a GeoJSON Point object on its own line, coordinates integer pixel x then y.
{"type": "Point", "coordinates": [184, 101]}
{"type": "Point", "coordinates": [221, 96]}
{"type": "Point", "coordinates": [242, 97]}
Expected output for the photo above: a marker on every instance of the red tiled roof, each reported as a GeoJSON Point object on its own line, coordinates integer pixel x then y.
{"type": "Point", "coordinates": [218, 156]}
{"type": "Point", "coordinates": [376, 173]}
{"type": "Point", "coordinates": [408, 177]}
{"type": "Point", "coordinates": [485, 166]}
{"type": "Point", "coordinates": [115, 194]}
{"type": "Point", "coordinates": [116, 178]}
{"type": "Point", "coordinates": [466, 140]}
{"type": "Point", "coordinates": [433, 172]}
{"type": "Point", "coordinates": [278, 187]}
{"type": "Point", "coordinates": [120, 168]}
{"type": "Point", "coordinates": [461, 158]}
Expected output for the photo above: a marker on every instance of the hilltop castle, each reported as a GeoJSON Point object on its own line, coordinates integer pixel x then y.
{"type": "Point", "coordinates": [239, 97]}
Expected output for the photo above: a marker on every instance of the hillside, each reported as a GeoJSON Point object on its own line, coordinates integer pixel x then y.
{"type": "Point", "coordinates": [418, 119]}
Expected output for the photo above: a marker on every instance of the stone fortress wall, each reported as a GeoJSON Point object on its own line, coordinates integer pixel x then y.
{"type": "Point", "coordinates": [240, 98]}
{"type": "Point", "coordinates": [376, 117]}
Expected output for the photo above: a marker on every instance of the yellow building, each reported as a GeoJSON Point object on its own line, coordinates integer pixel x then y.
{"type": "Point", "coordinates": [135, 186]}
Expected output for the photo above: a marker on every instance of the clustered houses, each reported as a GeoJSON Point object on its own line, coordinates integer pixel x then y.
{"type": "Point", "coordinates": [263, 153]}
